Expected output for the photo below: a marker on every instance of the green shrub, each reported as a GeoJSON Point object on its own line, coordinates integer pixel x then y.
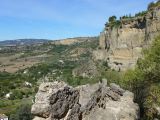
{"type": "Point", "coordinates": [113, 22]}
{"type": "Point", "coordinates": [143, 13]}
{"type": "Point", "coordinates": [112, 76]}
{"type": "Point", "coordinates": [153, 4]}
{"type": "Point", "coordinates": [112, 19]}
{"type": "Point", "coordinates": [16, 94]}
{"type": "Point", "coordinates": [144, 81]}
{"type": "Point", "coordinates": [23, 113]}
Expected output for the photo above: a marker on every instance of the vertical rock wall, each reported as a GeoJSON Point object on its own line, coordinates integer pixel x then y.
{"type": "Point", "coordinates": [122, 46]}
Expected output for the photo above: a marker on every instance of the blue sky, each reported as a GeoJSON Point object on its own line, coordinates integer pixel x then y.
{"type": "Point", "coordinates": [56, 19]}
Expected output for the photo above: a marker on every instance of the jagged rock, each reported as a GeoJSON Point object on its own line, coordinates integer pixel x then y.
{"type": "Point", "coordinates": [85, 93]}
{"type": "Point", "coordinates": [55, 100]}
{"type": "Point", "coordinates": [58, 101]}
{"type": "Point", "coordinates": [117, 89]}
{"type": "Point", "coordinates": [124, 109]}
{"type": "Point", "coordinates": [114, 96]}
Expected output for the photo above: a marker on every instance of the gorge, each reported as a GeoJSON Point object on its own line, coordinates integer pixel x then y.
{"type": "Point", "coordinates": [122, 45]}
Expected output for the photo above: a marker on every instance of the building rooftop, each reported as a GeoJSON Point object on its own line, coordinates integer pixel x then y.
{"type": "Point", "coordinates": [3, 116]}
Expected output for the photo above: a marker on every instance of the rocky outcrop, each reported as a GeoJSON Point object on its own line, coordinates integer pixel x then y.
{"type": "Point", "coordinates": [58, 101]}
{"type": "Point", "coordinates": [121, 46]}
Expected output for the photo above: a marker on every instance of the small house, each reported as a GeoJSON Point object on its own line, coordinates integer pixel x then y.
{"type": "Point", "coordinates": [3, 117]}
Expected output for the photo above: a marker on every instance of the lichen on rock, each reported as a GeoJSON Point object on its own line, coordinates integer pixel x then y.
{"type": "Point", "coordinates": [59, 101]}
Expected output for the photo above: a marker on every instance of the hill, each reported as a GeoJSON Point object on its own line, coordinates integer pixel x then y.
{"type": "Point", "coordinates": [18, 42]}
{"type": "Point", "coordinates": [125, 53]}
{"type": "Point", "coordinates": [25, 67]}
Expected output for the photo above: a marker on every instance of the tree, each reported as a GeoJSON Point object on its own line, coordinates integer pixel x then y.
{"type": "Point", "coordinates": [23, 113]}
{"type": "Point", "coordinates": [151, 5]}
{"type": "Point", "coordinates": [112, 19]}
{"type": "Point", "coordinates": [13, 117]}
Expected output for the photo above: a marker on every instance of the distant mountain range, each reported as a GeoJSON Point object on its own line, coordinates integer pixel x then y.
{"type": "Point", "coordinates": [22, 42]}
{"type": "Point", "coordinates": [66, 41]}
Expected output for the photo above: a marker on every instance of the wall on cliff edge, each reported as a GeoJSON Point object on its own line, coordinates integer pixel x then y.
{"type": "Point", "coordinates": [122, 46]}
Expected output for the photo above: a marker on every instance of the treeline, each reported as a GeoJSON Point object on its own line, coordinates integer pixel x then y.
{"type": "Point", "coordinates": [114, 22]}
{"type": "Point", "coordinates": [152, 5]}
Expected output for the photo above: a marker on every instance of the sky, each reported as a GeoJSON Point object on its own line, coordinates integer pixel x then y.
{"type": "Point", "coordinates": [57, 19]}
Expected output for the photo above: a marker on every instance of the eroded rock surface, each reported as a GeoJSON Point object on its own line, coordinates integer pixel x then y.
{"type": "Point", "coordinates": [59, 101]}
{"type": "Point", "coordinates": [121, 46]}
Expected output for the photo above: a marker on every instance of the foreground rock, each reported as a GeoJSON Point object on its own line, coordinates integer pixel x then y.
{"type": "Point", "coordinates": [58, 101]}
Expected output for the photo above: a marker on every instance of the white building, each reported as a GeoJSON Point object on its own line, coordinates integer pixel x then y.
{"type": "Point", "coordinates": [8, 95]}
{"type": "Point", "coordinates": [28, 84]}
{"type": "Point", "coordinates": [3, 117]}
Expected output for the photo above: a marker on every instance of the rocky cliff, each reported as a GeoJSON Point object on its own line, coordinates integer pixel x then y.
{"type": "Point", "coordinates": [70, 41]}
{"type": "Point", "coordinates": [59, 101]}
{"type": "Point", "coordinates": [121, 46]}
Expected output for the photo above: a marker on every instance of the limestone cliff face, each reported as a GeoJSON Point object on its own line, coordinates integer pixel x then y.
{"type": "Point", "coordinates": [121, 46]}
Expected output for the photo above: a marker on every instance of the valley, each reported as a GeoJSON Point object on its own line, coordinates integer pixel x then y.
{"type": "Point", "coordinates": [49, 61]}
{"type": "Point", "coordinates": [115, 75]}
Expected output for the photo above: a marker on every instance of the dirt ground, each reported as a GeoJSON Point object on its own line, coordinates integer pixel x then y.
{"type": "Point", "coordinates": [13, 63]}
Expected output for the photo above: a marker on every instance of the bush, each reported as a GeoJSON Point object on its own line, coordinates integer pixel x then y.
{"type": "Point", "coordinates": [144, 81]}
{"type": "Point", "coordinates": [143, 13]}
{"type": "Point", "coordinates": [16, 94]}
{"type": "Point", "coordinates": [153, 4]}
{"type": "Point", "coordinates": [112, 19]}
{"type": "Point", "coordinates": [23, 113]}
{"type": "Point", "coordinates": [113, 22]}
{"type": "Point", "coordinates": [112, 76]}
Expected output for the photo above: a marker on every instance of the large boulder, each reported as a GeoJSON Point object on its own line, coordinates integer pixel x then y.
{"type": "Point", "coordinates": [59, 101]}
{"type": "Point", "coordinates": [55, 101]}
